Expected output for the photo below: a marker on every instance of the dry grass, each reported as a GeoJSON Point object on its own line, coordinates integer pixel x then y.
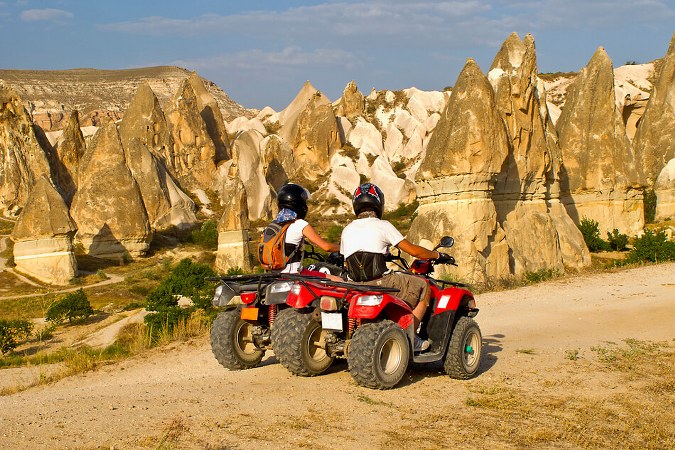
{"type": "Point", "coordinates": [641, 416]}
{"type": "Point", "coordinates": [133, 339]}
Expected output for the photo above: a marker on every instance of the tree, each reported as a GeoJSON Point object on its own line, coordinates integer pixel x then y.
{"type": "Point", "coordinates": [73, 306]}
{"type": "Point", "coordinates": [12, 332]}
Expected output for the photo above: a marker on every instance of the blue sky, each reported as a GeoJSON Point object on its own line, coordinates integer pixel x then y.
{"type": "Point", "coordinates": [262, 51]}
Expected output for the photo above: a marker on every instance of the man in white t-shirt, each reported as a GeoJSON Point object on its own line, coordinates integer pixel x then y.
{"type": "Point", "coordinates": [292, 201]}
{"type": "Point", "coordinates": [365, 243]}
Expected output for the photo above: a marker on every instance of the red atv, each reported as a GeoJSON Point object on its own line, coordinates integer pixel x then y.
{"type": "Point", "coordinates": [240, 334]}
{"type": "Point", "coordinates": [373, 329]}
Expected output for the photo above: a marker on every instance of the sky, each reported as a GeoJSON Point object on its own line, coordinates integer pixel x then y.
{"type": "Point", "coordinates": [261, 52]}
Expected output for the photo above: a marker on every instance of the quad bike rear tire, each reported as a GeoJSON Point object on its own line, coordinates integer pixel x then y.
{"type": "Point", "coordinates": [379, 354]}
{"type": "Point", "coordinates": [232, 343]}
{"type": "Point", "coordinates": [463, 356]}
{"type": "Point", "coordinates": [297, 341]}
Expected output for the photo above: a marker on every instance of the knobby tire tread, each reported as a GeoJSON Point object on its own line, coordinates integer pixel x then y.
{"type": "Point", "coordinates": [223, 343]}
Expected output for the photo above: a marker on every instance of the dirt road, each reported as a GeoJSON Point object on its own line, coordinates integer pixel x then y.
{"type": "Point", "coordinates": [538, 341]}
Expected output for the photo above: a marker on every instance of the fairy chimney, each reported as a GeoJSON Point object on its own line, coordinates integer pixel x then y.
{"type": "Point", "coordinates": [43, 237]}
{"type": "Point", "coordinates": [69, 148]}
{"type": "Point", "coordinates": [527, 189]}
{"type": "Point", "coordinates": [144, 134]}
{"type": "Point", "coordinates": [455, 180]}
{"type": "Point", "coordinates": [22, 159]}
{"type": "Point", "coordinates": [191, 158]}
{"type": "Point", "coordinates": [602, 173]}
{"type": "Point", "coordinates": [108, 207]}
{"type": "Point", "coordinates": [233, 225]}
{"type": "Point", "coordinates": [655, 137]}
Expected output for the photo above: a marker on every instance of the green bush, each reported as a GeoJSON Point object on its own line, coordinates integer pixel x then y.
{"type": "Point", "coordinates": [12, 333]}
{"type": "Point", "coordinates": [590, 231]}
{"type": "Point", "coordinates": [207, 235]}
{"type": "Point", "coordinates": [616, 240]}
{"type": "Point", "coordinates": [187, 279]}
{"type": "Point", "coordinates": [649, 205]}
{"type": "Point", "coordinates": [654, 247]}
{"type": "Point", "coordinates": [73, 306]}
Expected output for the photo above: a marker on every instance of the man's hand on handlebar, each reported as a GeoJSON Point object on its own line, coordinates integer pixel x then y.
{"type": "Point", "coordinates": [444, 258]}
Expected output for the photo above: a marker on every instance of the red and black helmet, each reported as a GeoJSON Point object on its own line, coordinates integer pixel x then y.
{"type": "Point", "coordinates": [368, 196]}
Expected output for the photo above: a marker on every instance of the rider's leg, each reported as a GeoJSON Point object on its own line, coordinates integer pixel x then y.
{"type": "Point", "coordinates": [421, 309]}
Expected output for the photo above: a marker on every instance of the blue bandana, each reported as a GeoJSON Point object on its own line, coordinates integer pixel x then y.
{"type": "Point", "coordinates": [285, 215]}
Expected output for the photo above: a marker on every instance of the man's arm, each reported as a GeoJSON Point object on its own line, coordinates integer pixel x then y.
{"type": "Point", "coordinates": [416, 250]}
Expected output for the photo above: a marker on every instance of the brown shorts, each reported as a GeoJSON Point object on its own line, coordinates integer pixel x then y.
{"type": "Point", "coordinates": [411, 288]}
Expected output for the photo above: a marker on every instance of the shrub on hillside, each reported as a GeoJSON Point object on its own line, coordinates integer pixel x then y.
{"type": "Point", "coordinates": [12, 333]}
{"type": "Point", "coordinates": [187, 279]}
{"type": "Point", "coordinates": [654, 247]}
{"type": "Point", "coordinates": [73, 306]}
{"type": "Point", "coordinates": [591, 232]}
{"type": "Point", "coordinates": [207, 235]}
{"type": "Point", "coordinates": [616, 240]}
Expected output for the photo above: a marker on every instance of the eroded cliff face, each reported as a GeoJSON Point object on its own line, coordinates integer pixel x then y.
{"type": "Point", "coordinates": [655, 138]}
{"type": "Point", "coordinates": [100, 96]}
{"type": "Point", "coordinates": [22, 160]}
{"type": "Point", "coordinates": [485, 161]}
{"type": "Point", "coordinates": [145, 136]}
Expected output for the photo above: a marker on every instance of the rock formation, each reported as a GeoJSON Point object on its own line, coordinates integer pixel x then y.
{"type": "Point", "coordinates": [43, 237]}
{"type": "Point", "coordinates": [601, 171]}
{"type": "Point", "coordinates": [108, 207]}
{"type": "Point", "coordinates": [145, 133]}
{"type": "Point", "coordinates": [455, 180]}
{"type": "Point", "coordinates": [22, 160]}
{"type": "Point", "coordinates": [191, 159]}
{"type": "Point", "coordinates": [212, 116]}
{"type": "Point", "coordinates": [68, 151]}
{"type": "Point", "coordinates": [101, 96]}
{"type": "Point", "coordinates": [233, 225]}
{"type": "Point", "coordinates": [665, 193]}
{"type": "Point", "coordinates": [655, 137]}
{"type": "Point", "coordinates": [352, 104]}
{"type": "Point", "coordinates": [527, 190]}
{"type": "Point", "coordinates": [246, 155]}
{"type": "Point", "coordinates": [309, 126]}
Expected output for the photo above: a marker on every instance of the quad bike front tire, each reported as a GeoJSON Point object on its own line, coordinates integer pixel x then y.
{"type": "Point", "coordinates": [379, 354]}
{"type": "Point", "coordinates": [463, 356]}
{"type": "Point", "coordinates": [298, 342]}
{"type": "Point", "coordinates": [232, 341]}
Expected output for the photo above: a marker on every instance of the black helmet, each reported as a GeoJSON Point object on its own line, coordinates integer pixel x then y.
{"type": "Point", "coordinates": [368, 196]}
{"type": "Point", "coordinates": [293, 197]}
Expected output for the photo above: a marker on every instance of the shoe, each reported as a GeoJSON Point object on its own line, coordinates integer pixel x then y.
{"type": "Point", "coordinates": [421, 344]}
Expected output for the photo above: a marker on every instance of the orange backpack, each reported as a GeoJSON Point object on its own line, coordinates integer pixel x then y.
{"type": "Point", "coordinates": [272, 247]}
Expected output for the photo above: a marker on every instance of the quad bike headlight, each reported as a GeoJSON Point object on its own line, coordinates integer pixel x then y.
{"type": "Point", "coordinates": [369, 300]}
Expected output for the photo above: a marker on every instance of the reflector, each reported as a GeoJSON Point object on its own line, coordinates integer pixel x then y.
{"type": "Point", "coordinates": [249, 313]}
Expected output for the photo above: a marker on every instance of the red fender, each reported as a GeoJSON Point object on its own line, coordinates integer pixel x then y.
{"type": "Point", "coordinates": [449, 299]}
{"type": "Point", "coordinates": [390, 307]}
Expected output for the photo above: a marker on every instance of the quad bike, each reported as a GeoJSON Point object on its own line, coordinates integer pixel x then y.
{"type": "Point", "coordinates": [373, 329]}
{"type": "Point", "coordinates": [240, 334]}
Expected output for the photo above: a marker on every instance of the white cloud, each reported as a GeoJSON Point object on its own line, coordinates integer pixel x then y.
{"type": "Point", "coordinates": [288, 58]}
{"type": "Point", "coordinates": [49, 14]}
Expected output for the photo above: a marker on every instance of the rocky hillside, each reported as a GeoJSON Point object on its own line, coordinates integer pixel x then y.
{"type": "Point", "coordinates": [504, 156]}
{"type": "Point", "coordinates": [51, 95]}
